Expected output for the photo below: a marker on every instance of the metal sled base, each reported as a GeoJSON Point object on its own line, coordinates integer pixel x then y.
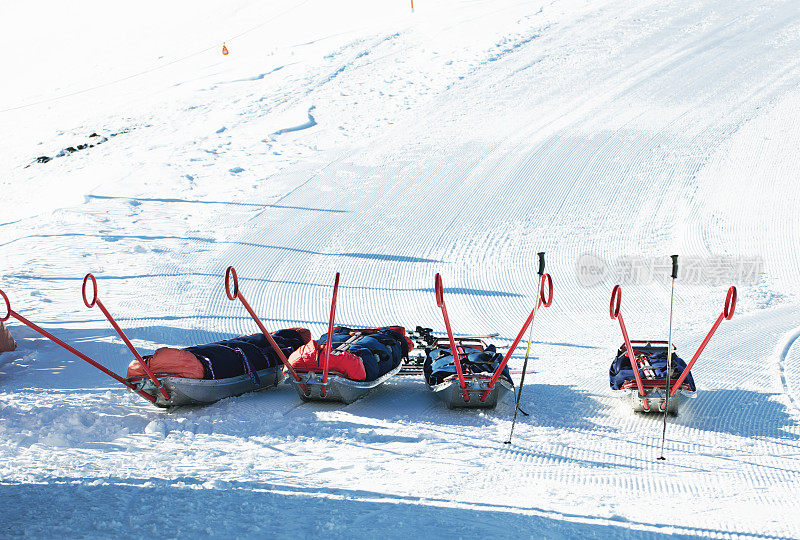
{"type": "Point", "coordinates": [184, 391]}
{"type": "Point", "coordinates": [655, 399]}
{"type": "Point", "coordinates": [339, 388]}
{"type": "Point", "coordinates": [451, 393]}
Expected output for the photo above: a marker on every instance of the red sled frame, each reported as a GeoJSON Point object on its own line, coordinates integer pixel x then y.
{"type": "Point", "coordinates": [480, 390]}
{"type": "Point", "coordinates": [657, 388]}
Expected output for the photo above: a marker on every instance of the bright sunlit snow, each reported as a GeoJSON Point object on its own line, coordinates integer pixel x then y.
{"type": "Point", "coordinates": [361, 137]}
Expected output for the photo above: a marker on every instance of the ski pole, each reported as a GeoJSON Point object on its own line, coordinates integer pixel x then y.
{"type": "Point", "coordinates": [439, 290]}
{"type": "Point", "coordinates": [324, 389]}
{"type": "Point", "coordinates": [542, 301]}
{"type": "Point", "coordinates": [727, 314]}
{"type": "Point", "coordinates": [10, 313]}
{"type": "Point", "coordinates": [230, 274]}
{"type": "Point", "coordinates": [616, 294]}
{"type": "Point", "coordinates": [96, 302]}
{"type": "Point", "coordinates": [669, 354]}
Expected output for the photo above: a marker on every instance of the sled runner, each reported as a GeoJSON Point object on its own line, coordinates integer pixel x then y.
{"type": "Point", "coordinates": [642, 372]}
{"type": "Point", "coordinates": [465, 371]}
{"type": "Point", "coordinates": [344, 364]}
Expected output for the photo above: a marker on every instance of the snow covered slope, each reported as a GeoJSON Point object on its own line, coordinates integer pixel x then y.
{"type": "Point", "coordinates": [388, 145]}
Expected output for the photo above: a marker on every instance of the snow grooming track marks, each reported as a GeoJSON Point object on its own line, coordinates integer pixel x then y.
{"type": "Point", "coordinates": [426, 157]}
{"type": "Point", "coordinates": [788, 355]}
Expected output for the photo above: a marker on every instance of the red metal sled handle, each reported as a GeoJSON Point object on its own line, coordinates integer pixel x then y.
{"type": "Point", "coordinates": [730, 303]}
{"type": "Point", "coordinates": [616, 294]}
{"type": "Point", "coordinates": [86, 279]}
{"type": "Point", "coordinates": [546, 301]}
{"type": "Point", "coordinates": [230, 272]}
{"type": "Point", "coordinates": [96, 301]}
{"type": "Point", "coordinates": [10, 313]}
{"type": "Point", "coordinates": [543, 300]}
{"type": "Point", "coordinates": [614, 311]}
{"type": "Point", "coordinates": [727, 314]}
{"type": "Point", "coordinates": [439, 290]}
{"type": "Point", "coordinates": [8, 307]}
{"type": "Point", "coordinates": [326, 363]}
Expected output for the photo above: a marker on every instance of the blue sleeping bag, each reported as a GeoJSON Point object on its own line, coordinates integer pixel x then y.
{"type": "Point", "coordinates": [439, 364]}
{"type": "Point", "coordinates": [380, 352]}
{"type": "Point", "coordinates": [245, 354]}
{"type": "Point", "coordinates": [621, 370]}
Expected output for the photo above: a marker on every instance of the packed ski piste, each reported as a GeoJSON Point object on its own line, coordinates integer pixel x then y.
{"type": "Point", "coordinates": [356, 269]}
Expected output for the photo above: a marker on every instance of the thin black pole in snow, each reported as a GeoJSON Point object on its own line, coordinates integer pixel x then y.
{"type": "Point", "coordinates": [528, 350]}
{"type": "Point", "coordinates": [669, 355]}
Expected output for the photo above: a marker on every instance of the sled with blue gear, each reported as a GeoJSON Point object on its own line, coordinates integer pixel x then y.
{"type": "Point", "coordinates": [465, 372]}
{"type": "Point", "coordinates": [643, 371]}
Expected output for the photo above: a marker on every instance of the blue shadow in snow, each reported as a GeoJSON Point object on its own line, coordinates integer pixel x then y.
{"type": "Point", "coordinates": [186, 201]}
{"type": "Point", "coordinates": [117, 238]}
{"type": "Point", "coordinates": [738, 412]}
{"type": "Point", "coordinates": [257, 509]}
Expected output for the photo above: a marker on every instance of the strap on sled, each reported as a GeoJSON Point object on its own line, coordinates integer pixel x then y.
{"type": "Point", "coordinates": [727, 314]}
{"type": "Point", "coordinates": [10, 313]}
{"type": "Point", "coordinates": [439, 290]}
{"type": "Point", "coordinates": [545, 300]}
{"type": "Point", "coordinates": [96, 302]}
{"type": "Point", "coordinates": [614, 306]}
{"type": "Point", "coordinates": [230, 275]}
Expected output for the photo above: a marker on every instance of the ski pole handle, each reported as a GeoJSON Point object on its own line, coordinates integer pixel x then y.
{"type": "Point", "coordinates": [674, 266]}
{"type": "Point", "coordinates": [541, 263]}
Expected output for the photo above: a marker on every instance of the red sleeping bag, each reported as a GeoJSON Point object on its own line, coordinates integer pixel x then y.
{"type": "Point", "coordinates": [311, 357]}
{"type": "Point", "coordinates": [357, 354]}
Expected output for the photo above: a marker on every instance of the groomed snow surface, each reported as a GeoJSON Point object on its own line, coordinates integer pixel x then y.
{"type": "Point", "coordinates": [360, 137]}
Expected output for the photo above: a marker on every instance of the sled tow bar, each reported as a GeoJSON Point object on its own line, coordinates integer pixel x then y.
{"type": "Point", "coordinates": [439, 290]}
{"type": "Point", "coordinates": [230, 274]}
{"type": "Point", "coordinates": [727, 314]}
{"type": "Point", "coordinates": [96, 301]}
{"type": "Point", "coordinates": [545, 300]}
{"type": "Point", "coordinates": [328, 342]}
{"type": "Point", "coordinates": [10, 313]}
{"type": "Point", "coordinates": [616, 294]}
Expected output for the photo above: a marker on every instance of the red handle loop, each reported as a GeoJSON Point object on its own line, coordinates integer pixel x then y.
{"type": "Point", "coordinates": [730, 303]}
{"type": "Point", "coordinates": [8, 307]}
{"type": "Point", "coordinates": [439, 289]}
{"type": "Point", "coordinates": [546, 301]}
{"type": "Point", "coordinates": [616, 294]}
{"type": "Point", "coordinates": [94, 288]}
{"type": "Point", "coordinates": [231, 272]}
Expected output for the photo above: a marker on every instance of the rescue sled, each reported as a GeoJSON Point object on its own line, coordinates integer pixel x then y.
{"type": "Point", "coordinates": [648, 375]}
{"type": "Point", "coordinates": [195, 375]}
{"type": "Point", "coordinates": [204, 374]}
{"type": "Point", "coordinates": [465, 371]}
{"type": "Point", "coordinates": [344, 364]}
